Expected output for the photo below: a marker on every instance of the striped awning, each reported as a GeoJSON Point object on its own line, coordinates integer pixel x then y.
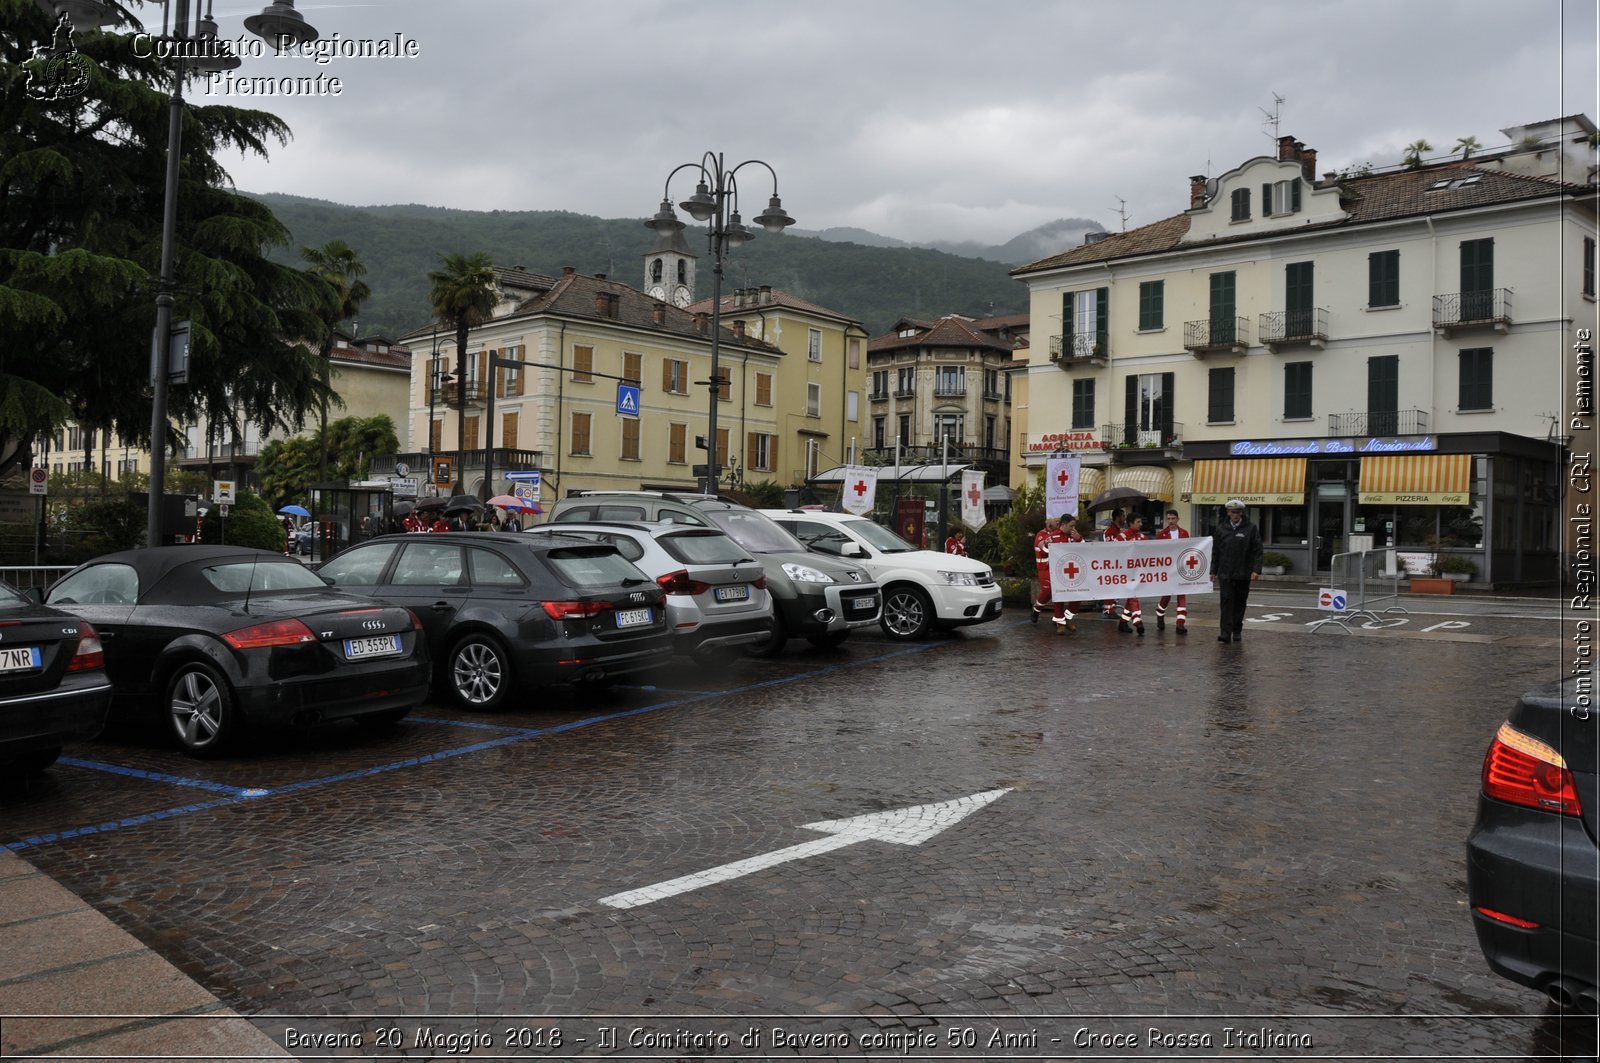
{"type": "Point", "coordinates": [1416, 479]}
{"type": "Point", "coordinates": [1253, 481]}
{"type": "Point", "coordinates": [1186, 487]}
{"type": "Point", "coordinates": [1152, 481]}
{"type": "Point", "coordinates": [1091, 481]}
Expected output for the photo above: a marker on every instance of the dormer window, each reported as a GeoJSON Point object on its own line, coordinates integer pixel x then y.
{"type": "Point", "coordinates": [1241, 204]}
{"type": "Point", "coordinates": [907, 333]}
{"type": "Point", "coordinates": [1455, 182]}
{"type": "Point", "coordinates": [1281, 197]}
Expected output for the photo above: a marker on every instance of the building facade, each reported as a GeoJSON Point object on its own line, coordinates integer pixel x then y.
{"type": "Point", "coordinates": [1366, 359]}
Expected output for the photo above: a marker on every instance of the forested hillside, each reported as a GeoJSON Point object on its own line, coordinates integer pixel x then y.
{"type": "Point", "coordinates": [400, 244]}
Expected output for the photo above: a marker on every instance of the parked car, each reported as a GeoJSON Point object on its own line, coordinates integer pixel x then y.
{"type": "Point", "coordinates": [717, 595]}
{"type": "Point", "coordinates": [506, 610]}
{"type": "Point", "coordinates": [226, 637]}
{"type": "Point", "coordinates": [819, 598]}
{"type": "Point", "coordinates": [303, 537]}
{"type": "Point", "coordinates": [922, 589]}
{"type": "Point", "coordinates": [1533, 869]}
{"type": "Point", "coordinates": [53, 685]}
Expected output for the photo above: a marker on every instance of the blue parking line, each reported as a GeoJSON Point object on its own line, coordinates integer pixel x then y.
{"type": "Point", "coordinates": [239, 796]}
{"type": "Point", "coordinates": [156, 776]}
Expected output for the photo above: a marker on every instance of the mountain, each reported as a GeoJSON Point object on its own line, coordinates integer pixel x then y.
{"type": "Point", "coordinates": [872, 278]}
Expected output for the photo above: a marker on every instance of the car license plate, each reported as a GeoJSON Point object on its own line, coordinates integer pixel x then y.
{"type": "Point", "coordinates": [378, 646]}
{"type": "Point", "coordinates": [860, 605]}
{"type": "Point", "coordinates": [632, 617]}
{"type": "Point", "coordinates": [20, 658]}
{"type": "Point", "coordinates": [739, 593]}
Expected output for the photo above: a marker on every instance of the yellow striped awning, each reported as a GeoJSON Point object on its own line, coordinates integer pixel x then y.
{"type": "Point", "coordinates": [1152, 481]}
{"type": "Point", "coordinates": [1186, 488]}
{"type": "Point", "coordinates": [1253, 481]}
{"type": "Point", "coordinates": [1091, 481]}
{"type": "Point", "coordinates": [1416, 479]}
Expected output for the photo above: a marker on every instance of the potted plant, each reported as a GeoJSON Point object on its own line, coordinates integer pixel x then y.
{"type": "Point", "coordinates": [1455, 568]}
{"type": "Point", "coordinates": [1275, 564]}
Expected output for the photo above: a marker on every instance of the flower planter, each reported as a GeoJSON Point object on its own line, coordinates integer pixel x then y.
{"type": "Point", "coordinates": [1273, 570]}
{"type": "Point", "coordinates": [1431, 585]}
{"type": "Point", "coordinates": [1456, 577]}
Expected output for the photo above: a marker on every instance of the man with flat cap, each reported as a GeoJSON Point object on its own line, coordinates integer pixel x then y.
{"type": "Point", "coordinates": [1235, 562]}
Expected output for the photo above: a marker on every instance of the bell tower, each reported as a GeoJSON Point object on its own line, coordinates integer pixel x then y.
{"type": "Point", "coordinates": [669, 269]}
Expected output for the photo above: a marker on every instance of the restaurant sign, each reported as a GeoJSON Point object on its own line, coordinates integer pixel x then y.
{"type": "Point", "coordinates": [1249, 448]}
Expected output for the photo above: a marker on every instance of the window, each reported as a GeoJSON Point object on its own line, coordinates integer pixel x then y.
{"type": "Point", "coordinates": [1383, 395]}
{"type": "Point", "coordinates": [511, 375]}
{"type": "Point", "coordinates": [630, 439]}
{"type": "Point", "coordinates": [813, 400]}
{"type": "Point", "coordinates": [471, 441]}
{"type": "Point", "coordinates": [1241, 204]}
{"type": "Point", "coordinates": [904, 428]}
{"type": "Point", "coordinates": [1383, 278]}
{"type": "Point", "coordinates": [580, 433]}
{"type": "Point", "coordinates": [1219, 398]}
{"type": "Point", "coordinates": [1084, 322]}
{"type": "Point", "coordinates": [428, 565]}
{"type": "Point", "coordinates": [508, 430]}
{"type": "Point", "coordinates": [725, 390]}
{"type": "Point", "coordinates": [722, 448]}
{"type": "Point", "coordinates": [1588, 266]}
{"type": "Point", "coordinates": [878, 437]}
{"type": "Point", "coordinates": [1297, 391]}
{"type": "Point", "coordinates": [991, 383]}
{"type": "Point", "coordinates": [880, 384]}
{"type": "Point", "coordinates": [1224, 322]}
{"type": "Point", "coordinates": [582, 364]}
{"type": "Point", "coordinates": [763, 389]}
{"type": "Point", "coordinates": [674, 376]}
{"type": "Point", "coordinates": [814, 344]}
{"type": "Point", "coordinates": [951, 426]}
{"type": "Point", "coordinates": [1477, 379]}
{"type": "Point", "coordinates": [1147, 409]}
{"type": "Point", "coordinates": [1477, 280]}
{"type": "Point", "coordinates": [108, 584]}
{"type": "Point", "coordinates": [852, 405]}
{"type": "Point", "coordinates": [950, 380]}
{"type": "Point", "coordinates": [906, 381]}
{"type": "Point", "coordinates": [489, 569]}
{"type": "Point", "coordinates": [1152, 309]}
{"type": "Point", "coordinates": [1299, 315]}
{"type": "Point", "coordinates": [1280, 197]}
{"type": "Point", "coordinates": [358, 568]}
{"type": "Point", "coordinates": [677, 444]}
{"type": "Point", "coordinates": [1083, 404]}
{"type": "Point", "coordinates": [655, 270]}
{"type": "Point", "coordinates": [633, 368]}
{"type": "Point", "coordinates": [855, 354]}
{"type": "Point", "coordinates": [760, 451]}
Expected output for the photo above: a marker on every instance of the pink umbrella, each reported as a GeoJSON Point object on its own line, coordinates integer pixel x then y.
{"type": "Point", "coordinates": [521, 505]}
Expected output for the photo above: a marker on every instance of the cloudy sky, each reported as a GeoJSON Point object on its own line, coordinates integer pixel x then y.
{"type": "Point", "coordinates": [917, 119]}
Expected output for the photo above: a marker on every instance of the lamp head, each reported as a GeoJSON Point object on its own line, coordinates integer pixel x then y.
{"type": "Point", "coordinates": [214, 55]}
{"type": "Point", "coordinates": [700, 205]}
{"type": "Point", "coordinates": [666, 219]}
{"type": "Point", "coordinates": [773, 219]}
{"type": "Point", "coordinates": [281, 24]}
{"type": "Point", "coordinates": [734, 234]}
{"type": "Point", "coordinates": [84, 14]}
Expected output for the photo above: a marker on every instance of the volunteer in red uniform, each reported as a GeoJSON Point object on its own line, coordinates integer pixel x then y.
{"type": "Point", "coordinates": [957, 543]}
{"type": "Point", "coordinates": [1050, 533]}
{"type": "Point", "coordinates": [1171, 530]}
{"type": "Point", "coordinates": [1112, 534]}
{"type": "Point", "coordinates": [1132, 616]}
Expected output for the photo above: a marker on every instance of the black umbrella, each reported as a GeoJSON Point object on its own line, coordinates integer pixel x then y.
{"type": "Point", "coordinates": [402, 508]}
{"type": "Point", "coordinates": [1112, 497]}
{"type": "Point", "coordinates": [462, 504]}
{"type": "Point", "coordinates": [432, 503]}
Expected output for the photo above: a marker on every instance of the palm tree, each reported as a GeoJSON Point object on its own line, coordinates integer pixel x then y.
{"type": "Point", "coordinates": [340, 269]}
{"type": "Point", "coordinates": [1414, 150]}
{"type": "Point", "coordinates": [462, 294]}
{"type": "Point", "coordinates": [1467, 145]}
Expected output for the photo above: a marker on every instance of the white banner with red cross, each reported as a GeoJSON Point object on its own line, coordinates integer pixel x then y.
{"type": "Point", "coordinates": [972, 514]}
{"type": "Point", "coordinates": [1061, 487]}
{"type": "Point", "coordinates": [860, 489]}
{"type": "Point", "coordinates": [1101, 571]}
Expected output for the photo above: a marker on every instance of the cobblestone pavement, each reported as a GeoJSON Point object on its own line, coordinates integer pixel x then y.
{"type": "Point", "coordinates": [1253, 850]}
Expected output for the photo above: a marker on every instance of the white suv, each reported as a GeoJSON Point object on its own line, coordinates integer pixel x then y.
{"type": "Point", "coordinates": [922, 589]}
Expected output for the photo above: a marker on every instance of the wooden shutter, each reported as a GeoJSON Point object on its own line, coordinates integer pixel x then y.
{"type": "Point", "coordinates": [1266, 199]}
{"type": "Point", "coordinates": [772, 452]}
{"type": "Point", "coordinates": [508, 431]}
{"type": "Point", "coordinates": [666, 375]}
{"type": "Point", "coordinates": [750, 450]}
{"type": "Point", "coordinates": [1130, 411]}
{"type": "Point", "coordinates": [1169, 396]}
{"type": "Point", "coordinates": [1102, 327]}
{"type": "Point", "coordinates": [483, 371]}
{"type": "Point", "coordinates": [471, 442]}
{"type": "Point", "coordinates": [1066, 325]}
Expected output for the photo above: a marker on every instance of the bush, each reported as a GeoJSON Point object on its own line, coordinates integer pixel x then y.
{"type": "Point", "coordinates": [1455, 563]}
{"type": "Point", "coordinates": [251, 522]}
{"type": "Point", "coordinates": [1273, 559]}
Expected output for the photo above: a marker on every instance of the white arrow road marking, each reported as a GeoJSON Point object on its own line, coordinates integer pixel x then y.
{"type": "Point", "coordinates": [902, 826]}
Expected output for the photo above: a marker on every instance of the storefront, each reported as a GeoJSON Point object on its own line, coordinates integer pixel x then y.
{"type": "Point", "coordinates": [1491, 499]}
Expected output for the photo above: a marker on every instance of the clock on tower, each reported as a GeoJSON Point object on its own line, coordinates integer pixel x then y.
{"type": "Point", "coordinates": [680, 296]}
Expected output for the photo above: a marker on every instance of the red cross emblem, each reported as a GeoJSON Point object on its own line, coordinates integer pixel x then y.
{"type": "Point", "coordinates": [860, 488]}
{"type": "Point", "coordinates": [1190, 562]}
{"type": "Point", "coordinates": [1071, 570]}
{"type": "Point", "coordinates": [974, 496]}
{"type": "Point", "coordinates": [1061, 477]}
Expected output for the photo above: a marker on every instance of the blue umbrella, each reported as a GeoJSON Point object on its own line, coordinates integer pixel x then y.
{"type": "Point", "coordinates": [299, 511]}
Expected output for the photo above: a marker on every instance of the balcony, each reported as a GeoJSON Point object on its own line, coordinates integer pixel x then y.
{"type": "Point", "coordinates": [933, 453]}
{"type": "Point", "coordinates": [1473, 310]}
{"type": "Point", "coordinates": [878, 396]}
{"type": "Point", "coordinates": [905, 393]}
{"type": "Point", "coordinates": [1132, 445]}
{"type": "Point", "coordinates": [449, 395]}
{"type": "Point", "coordinates": [1378, 423]}
{"type": "Point", "coordinates": [949, 391]}
{"type": "Point", "coordinates": [1216, 335]}
{"type": "Point", "coordinates": [1284, 328]}
{"type": "Point", "coordinates": [1083, 350]}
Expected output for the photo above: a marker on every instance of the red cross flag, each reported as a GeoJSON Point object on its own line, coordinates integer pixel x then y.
{"type": "Point", "coordinates": [860, 489]}
{"type": "Point", "coordinates": [1061, 487]}
{"type": "Point", "coordinates": [972, 514]}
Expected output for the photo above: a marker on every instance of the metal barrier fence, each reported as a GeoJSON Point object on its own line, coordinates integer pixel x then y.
{"type": "Point", "coordinates": [24, 576]}
{"type": "Point", "coordinates": [1363, 567]}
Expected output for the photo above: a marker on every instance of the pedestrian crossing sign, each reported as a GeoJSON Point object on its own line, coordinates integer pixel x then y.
{"type": "Point", "coordinates": [628, 400]}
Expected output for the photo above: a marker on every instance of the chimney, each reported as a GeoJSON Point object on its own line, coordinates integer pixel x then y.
{"type": "Point", "coordinates": [738, 328]}
{"type": "Point", "coordinates": [766, 294]}
{"type": "Point", "coordinates": [738, 298]}
{"type": "Point", "coordinates": [658, 312]}
{"type": "Point", "coordinates": [599, 276]}
{"type": "Point", "coordinates": [1331, 177]}
{"type": "Point", "coordinates": [1197, 191]}
{"type": "Point", "coordinates": [567, 271]}
{"type": "Point", "coordinates": [1286, 149]}
{"type": "Point", "coordinates": [700, 321]}
{"type": "Point", "coordinates": [1308, 165]}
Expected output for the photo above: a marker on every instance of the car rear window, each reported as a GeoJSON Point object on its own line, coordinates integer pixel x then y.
{"type": "Point", "coordinates": [260, 577]}
{"type": "Point", "coordinates": [703, 548]}
{"type": "Point", "coordinates": [619, 513]}
{"type": "Point", "coordinates": [593, 566]}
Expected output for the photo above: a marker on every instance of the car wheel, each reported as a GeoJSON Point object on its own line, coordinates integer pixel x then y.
{"type": "Point", "coordinates": [774, 645]}
{"type": "Point", "coordinates": [377, 721]}
{"type": "Point", "coordinates": [828, 639]}
{"type": "Point", "coordinates": [479, 673]}
{"type": "Point", "coordinates": [907, 613]}
{"type": "Point", "coordinates": [34, 761]}
{"type": "Point", "coordinates": [201, 707]}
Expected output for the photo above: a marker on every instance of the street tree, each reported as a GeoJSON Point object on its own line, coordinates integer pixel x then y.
{"type": "Point", "coordinates": [287, 467]}
{"type": "Point", "coordinates": [340, 269]}
{"type": "Point", "coordinates": [462, 293]}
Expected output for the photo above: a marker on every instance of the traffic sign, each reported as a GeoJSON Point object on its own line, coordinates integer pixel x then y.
{"type": "Point", "coordinates": [1331, 600]}
{"type": "Point", "coordinates": [222, 492]}
{"type": "Point", "coordinates": [38, 480]}
{"type": "Point", "coordinates": [404, 486]}
{"type": "Point", "coordinates": [628, 400]}
{"type": "Point", "coordinates": [402, 469]}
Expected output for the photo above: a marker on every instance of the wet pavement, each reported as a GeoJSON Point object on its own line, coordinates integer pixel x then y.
{"type": "Point", "coordinates": [1252, 850]}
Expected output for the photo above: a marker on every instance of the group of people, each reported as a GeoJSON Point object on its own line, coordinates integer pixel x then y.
{"type": "Point", "coordinates": [462, 520]}
{"type": "Point", "coordinates": [1236, 550]}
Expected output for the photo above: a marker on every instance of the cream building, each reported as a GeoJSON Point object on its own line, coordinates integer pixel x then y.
{"type": "Point", "coordinates": [1364, 358]}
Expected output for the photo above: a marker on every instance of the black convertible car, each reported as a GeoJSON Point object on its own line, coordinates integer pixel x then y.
{"type": "Point", "coordinates": [222, 637]}
{"type": "Point", "coordinates": [53, 685]}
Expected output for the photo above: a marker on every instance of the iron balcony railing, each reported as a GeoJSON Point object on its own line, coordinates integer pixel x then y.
{"type": "Point", "coordinates": [1082, 348]}
{"type": "Point", "coordinates": [450, 394]}
{"type": "Point", "coordinates": [1379, 423]}
{"type": "Point", "coordinates": [933, 453]}
{"type": "Point", "coordinates": [1216, 334]}
{"type": "Point", "coordinates": [1295, 326]}
{"type": "Point", "coordinates": [1132, 437]}
{"type": "Point", "coordinates": [879, 396]}
{"type": "Point", "coordinates": [1491, 306]}
{"type": "Point", "coordinates": [905, 393]}
{"type": "Point", "coordinates": [949, 391]}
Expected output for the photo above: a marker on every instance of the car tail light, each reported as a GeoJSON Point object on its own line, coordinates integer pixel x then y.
{"type": "Point", "coordinates": [1509, 920]}
{"type": "Point", "coordinates": [759, 583]}
{"type": "Point", "coordinates": [416, 621]}
{"type": "Point", "coordinates": [679, 583]}
{"type": "Point", "coordinates": [1525, 771]}
{"type": "Point", "coordinates": [573, 610]}
{"type": "Point", "coordinates": [277, 633]}
{"type": "Point", "coordinates": [90, 653]}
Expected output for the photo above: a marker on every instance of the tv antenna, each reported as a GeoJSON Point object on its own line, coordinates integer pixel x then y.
{"type": "Point", "coordinates": [1272, 117]}
{"type": "Point", "coordinates": [1121, 211]}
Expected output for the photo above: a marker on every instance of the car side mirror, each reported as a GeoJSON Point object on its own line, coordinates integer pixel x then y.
{"type": "Point", "coordinates": [34, 595]}
{"type": "Point", "coordinates": [852, 550]}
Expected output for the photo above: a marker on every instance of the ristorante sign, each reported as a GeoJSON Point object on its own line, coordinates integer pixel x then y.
{"type": "Point", "coordinates": [1055, 441]}
{"type": "Point", "coordinates": [1272, 448]}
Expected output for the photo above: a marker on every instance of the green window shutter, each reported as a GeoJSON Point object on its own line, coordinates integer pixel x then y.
{"type": "Point", "coordinates": [1130, 411]}
{"type": "Point", "coordinates": [1294, 195]}
{"type": "Point", "coordinates": [1220, 395]}
{"type": "Point", "coordinates": [1102, 324]}
{"type": "Point", "coordinates": [1168, 397]}
{"type": "Point", "coordinates": [1266, 199]}
{"type": "Point", "coordinates": [1066, 325]}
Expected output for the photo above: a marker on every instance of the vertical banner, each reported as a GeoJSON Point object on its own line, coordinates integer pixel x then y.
{"type": "Point", "coordinates": [860, 489]}
{"type": "Point", "coordinates": [1061, 487]}
{"type": "Point", "coordinates": [972, 499]}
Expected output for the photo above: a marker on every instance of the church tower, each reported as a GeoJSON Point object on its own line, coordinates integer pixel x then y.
{"type": "Point", "coordinates": [669, 269]}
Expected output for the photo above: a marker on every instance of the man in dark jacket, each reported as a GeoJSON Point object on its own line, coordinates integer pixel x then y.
{"type": "Point", "coordinates": [1235, 562]}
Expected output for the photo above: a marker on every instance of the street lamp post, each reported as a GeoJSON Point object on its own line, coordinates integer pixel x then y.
{"type": "Point", "coordinates": [196, 49]}
{"type": "Point", "coordinates": [716, 200]}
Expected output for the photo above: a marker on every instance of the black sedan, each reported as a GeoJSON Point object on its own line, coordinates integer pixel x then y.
{"type": "Point", "coordinates": [1533, 869]}
{"type": "Point", "coordinates": [502, 609]}
{"type": "Point", "coordinates": [53, 686]}
{"type": "Point", "coordinates": [223, 637]}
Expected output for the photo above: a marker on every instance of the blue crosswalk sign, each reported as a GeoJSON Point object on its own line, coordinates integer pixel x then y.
{"type": "Point", "coordinates": [628, 399]}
